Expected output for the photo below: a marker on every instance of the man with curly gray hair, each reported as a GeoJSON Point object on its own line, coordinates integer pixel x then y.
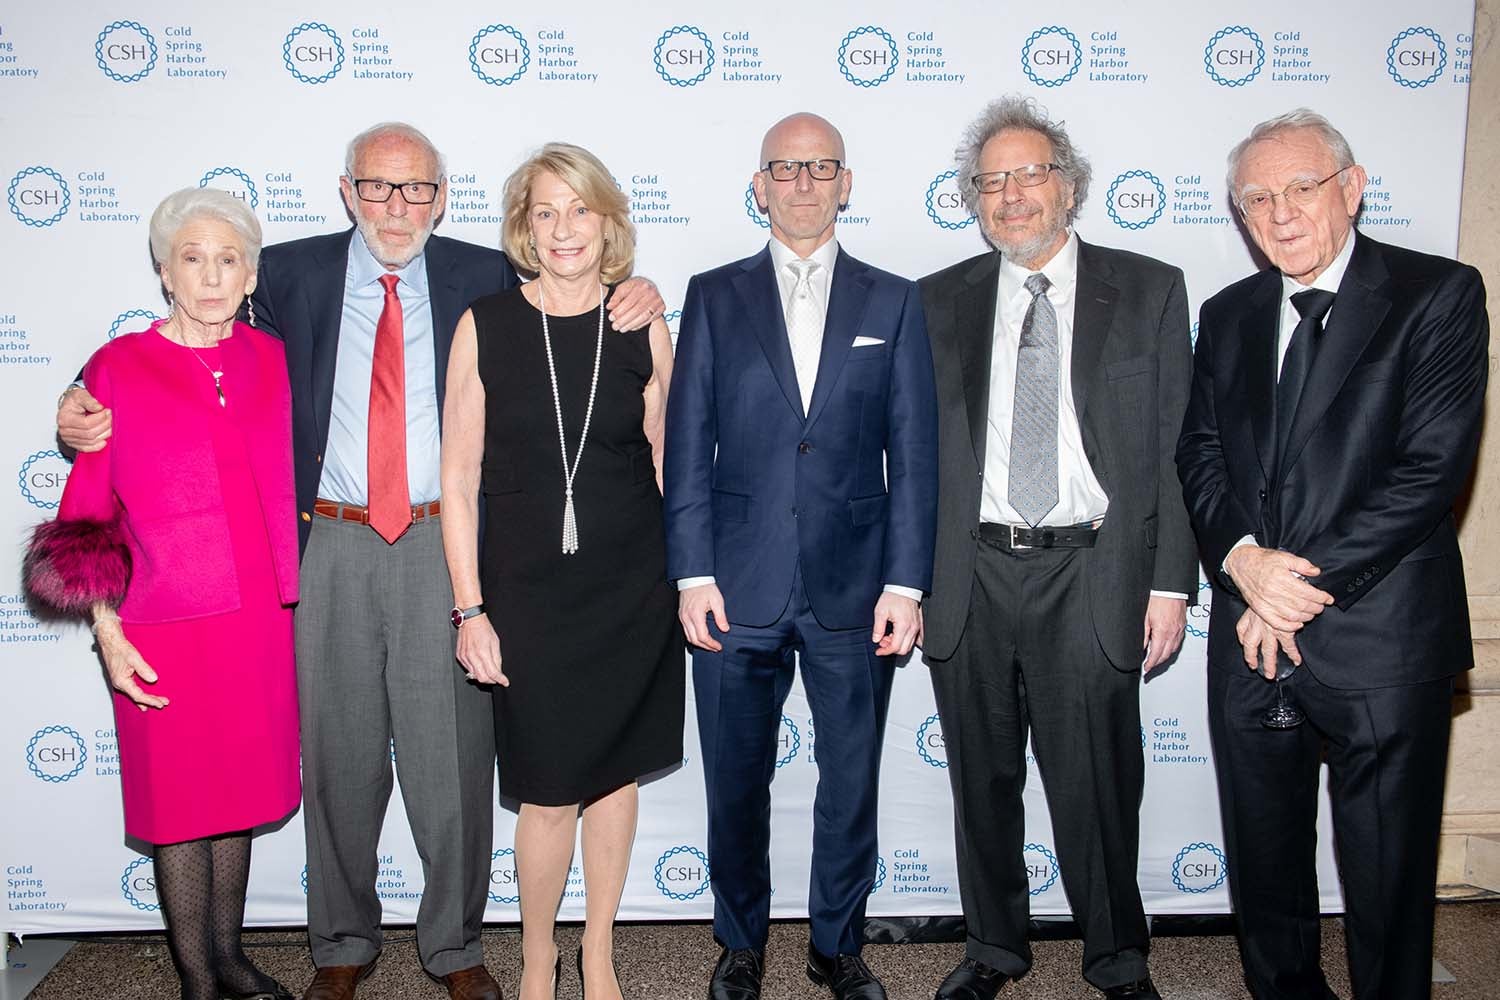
{"type": "Point", "coordinates": [1064, 557]}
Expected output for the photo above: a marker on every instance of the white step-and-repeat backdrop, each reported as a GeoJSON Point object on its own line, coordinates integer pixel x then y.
{"type": "Point", "coordinates": [105, 108]}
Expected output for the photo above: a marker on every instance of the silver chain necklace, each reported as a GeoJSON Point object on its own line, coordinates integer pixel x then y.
{"type": "Point", "coordinates": [218, 375]}
{"type": "Point", "coordinates": [570, 520]}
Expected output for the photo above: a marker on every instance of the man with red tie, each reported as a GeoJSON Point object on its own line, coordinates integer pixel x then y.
{"type": "Point", "coordinates": [368, 316]}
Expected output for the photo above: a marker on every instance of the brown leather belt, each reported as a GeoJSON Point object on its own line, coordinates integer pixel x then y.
{"type": "Point", "coordinates": [1010, 536]}
{"type": "Point", "coordinates": [361, 515]}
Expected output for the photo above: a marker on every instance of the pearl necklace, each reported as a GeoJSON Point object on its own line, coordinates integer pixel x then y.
{"type": "Point", "coordinates": [570, 520]}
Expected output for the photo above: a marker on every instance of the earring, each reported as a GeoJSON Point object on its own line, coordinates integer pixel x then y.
{"type": "Point", "coordinates": [252, 311]}
{"type": "Point", "coordinates": [171, 306]}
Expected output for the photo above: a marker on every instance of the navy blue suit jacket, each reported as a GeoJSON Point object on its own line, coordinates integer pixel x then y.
{"type": "Point", "coordinates": [299, 297]}
{"type": "Point", "coordinates": [754, 486]}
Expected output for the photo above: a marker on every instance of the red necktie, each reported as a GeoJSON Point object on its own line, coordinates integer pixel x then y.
{"type": "Point", "coordinates": [390, 499]}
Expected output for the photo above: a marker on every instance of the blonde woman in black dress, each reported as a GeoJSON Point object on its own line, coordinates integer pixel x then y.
{"type": "Point", "coordinates": [559, 423]}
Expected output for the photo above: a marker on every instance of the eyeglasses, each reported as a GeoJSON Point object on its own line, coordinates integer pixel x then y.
{"type": "Point", "coordinates": [414, 192]}
{"type": "Point", "coordinates": [818, 170]}
{"type": "Point", "coordinates": [1299, 193]}
{"type": "Point", "coordinates": [1028, 176]}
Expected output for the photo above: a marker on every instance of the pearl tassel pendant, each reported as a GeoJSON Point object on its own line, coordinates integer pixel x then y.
{"type": "Point", "coordinates": [570, 526]}
{"type": "Point", "coordinates": [570, 470]}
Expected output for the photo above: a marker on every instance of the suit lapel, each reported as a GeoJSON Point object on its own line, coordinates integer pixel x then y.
{"type": "Point", "coordinates": [758, 291]}
{"type": "Point", "coordinates": [324, 286]}
{"type": "Point", "coordinates": [1258, 329]}
{"type": "Point", "coordinates": [974, 326]}
{"type": "Point", "coordinates": [1358, 310]}
{"type": "Point", "coordinates": [1093, 312]}
{"type": "Point", "coordinates": [848, 297]}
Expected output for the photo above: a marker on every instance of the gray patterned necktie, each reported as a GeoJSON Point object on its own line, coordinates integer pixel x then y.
{"type": "Point", "coordinates": [1032, 485]}
{"type": "Point", "coordinates": [804, 327]}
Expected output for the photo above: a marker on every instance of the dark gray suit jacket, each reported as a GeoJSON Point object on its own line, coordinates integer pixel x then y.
{"type": "Point", "coordinates": [1132, 365]}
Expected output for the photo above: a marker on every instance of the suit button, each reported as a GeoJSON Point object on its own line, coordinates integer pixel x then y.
{"type": "Point", "coordinates": [804, 448]}
{"type": "Point", "coordinates": [320, 462]}
{"type": "Point", "coordinates": [1262, 496]}
{"type": "Point", "coordinates": [794, 511]}
{"type": "Point", "coordinates": [306, 516]}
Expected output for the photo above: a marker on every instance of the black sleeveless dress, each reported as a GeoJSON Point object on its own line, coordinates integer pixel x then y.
{"type": "Point", "coordinates": [589, 641]}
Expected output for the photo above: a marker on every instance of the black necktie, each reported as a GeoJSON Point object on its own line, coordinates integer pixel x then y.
{"type": "Point", "coordinates": [1312, 305]}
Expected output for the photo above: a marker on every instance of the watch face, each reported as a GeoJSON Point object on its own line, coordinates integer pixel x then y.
{"type": "Point", "coordinates": [457, 617]}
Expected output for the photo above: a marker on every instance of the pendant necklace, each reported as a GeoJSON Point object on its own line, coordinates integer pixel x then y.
{"type": "Point", "coordinates": [218, 375]}
{"type": "Point", "coordinates": [570, 520]}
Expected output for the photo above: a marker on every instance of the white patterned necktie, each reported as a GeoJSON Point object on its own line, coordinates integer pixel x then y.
{"type": "Point", "coordinates": [1032, 485]}
{"type": "Point", "coordinates": [804, 328]}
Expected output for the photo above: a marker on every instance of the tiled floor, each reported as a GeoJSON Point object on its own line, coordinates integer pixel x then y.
{"type": "Point", "coordinates": [673, 962]}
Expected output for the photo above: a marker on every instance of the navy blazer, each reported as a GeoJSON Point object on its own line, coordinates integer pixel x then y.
{"type": "Point", "coordinates": [1382, 443]}
{"type": "Point", "coordinates": [755, 487]}
{"type": "Point", "coordinates": [299, 297]}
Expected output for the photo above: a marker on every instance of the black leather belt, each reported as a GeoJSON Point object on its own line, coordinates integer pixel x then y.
{"type": "Point", "coordinates": [1009, 536]}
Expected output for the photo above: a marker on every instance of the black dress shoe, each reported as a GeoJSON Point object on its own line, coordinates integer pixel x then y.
{"type": "Point", "coordinates": [1142, 989]}
{"type": "Point", "coordinates": [846, 975]}
{"type": "Point", "coordinates": [738, 975]}
{"type": "Point", "coordinates": [271, 991]}
{"type": "Point", "coordinates": [971, 980]}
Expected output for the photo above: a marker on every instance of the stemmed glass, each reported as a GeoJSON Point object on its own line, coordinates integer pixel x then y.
{"type": "Point", "coordinates": [1282, 715]}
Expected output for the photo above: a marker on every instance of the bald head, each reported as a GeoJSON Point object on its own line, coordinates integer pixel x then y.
{"type": "Point", "coordinates": [798, 131]}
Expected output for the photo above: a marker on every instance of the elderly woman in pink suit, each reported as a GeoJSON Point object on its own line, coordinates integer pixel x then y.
{"type": "Point", "coordinates": [179, 542]}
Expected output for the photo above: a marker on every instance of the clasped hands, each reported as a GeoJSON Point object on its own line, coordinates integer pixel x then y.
{"type": "Point", "coordinates": [1281, 601]}
{"type": "Point", "coordinates": [897, 626]}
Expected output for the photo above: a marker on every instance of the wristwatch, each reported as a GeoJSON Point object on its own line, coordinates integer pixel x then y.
{"type": "Point", "coordinates": [460, 615]}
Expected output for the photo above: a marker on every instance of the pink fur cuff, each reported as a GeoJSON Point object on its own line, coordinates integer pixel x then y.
{"type": "Point", "coordinates": [72, 565]}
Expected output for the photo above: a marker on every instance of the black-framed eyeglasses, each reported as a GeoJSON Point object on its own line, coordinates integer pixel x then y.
{"type": "Point", "coordinates": [1031, 175]}
{"type": "Point", "coordinates": [415, 192]}
{"type": "Point", "coordinates": [1300, 193]}
{"type": "Point", "coordinates": [818, 170]}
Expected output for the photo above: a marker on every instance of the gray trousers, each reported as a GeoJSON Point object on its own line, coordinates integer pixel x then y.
{"type": "Point", "coordinates": [375, 661]}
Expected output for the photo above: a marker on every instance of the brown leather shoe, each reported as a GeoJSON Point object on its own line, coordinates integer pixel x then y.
{"type": "Point", "coordinates": [473, 983]}
{"type": "Point", "coordinates": [337, 982]}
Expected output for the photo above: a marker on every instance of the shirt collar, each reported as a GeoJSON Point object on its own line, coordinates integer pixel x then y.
{"type": "Point", "coordinates": [364, 269]}
{"type": "Point", "coordinates": [824, 256]}
{"type": "Point", "coordinates": [1331, 277]}
{"type": "Point", "coordinates": [1061, 270]}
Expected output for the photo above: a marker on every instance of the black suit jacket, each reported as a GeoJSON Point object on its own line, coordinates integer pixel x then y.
{"type": "Point", "coordinates": [1130, 372]}
{"type": "Point", "coordinates": [299, 297]}
{"type": "Point", "coordinates": [1382, 442]}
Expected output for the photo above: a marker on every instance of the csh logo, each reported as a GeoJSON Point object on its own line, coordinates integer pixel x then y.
{"type": "Point", "coordinates": [1234, 56]}
{"type": "Point", "coordinates": [1416, 57]}
{"type": "Point", "coordinates": [752, 208]}
{"type": "Point", "coordinates": [138, 885]}
{"type": "Point", "coordinates": [38, 197]}
{"type": "Point", "coordinates": [56, 754]}
{"type": "Point", "coordinates": [1135, 199]}
{"type": "Point", "coordinates": [125, 51]}
{"type": "Point", "coordinates": [1198, 614]}
{"type": "Point", "coordinates": [868, 56]}
{"type": "Point", "coordinates": [930, 745]}
{"type": "Point", "coordinates": [684, 56]}
{"type": "Point", "coordinates": [945, 205]}
{"type": "Point", "coordinates": [505, 885]}
{"type": "Point", "coordinates": [499, 55]}
{"type": "Point", "coordinates": [313, 52]}
{"type": "Point", "coordinates": [42, 478]}
{"type": "Point", "coordinates": [235, 181]}
{"type": "Point", "coordinates": [789, 740]}
{"type": "Point", "coordinates": [1051, 56]}
{"type": "Point", "coordinates": [682, 873]}
{"type": "Point", "coordinates": [1199, 867]}
{"type": "Point", "coordinates": [880, 872]}
{"type": "Point", "coordinates": [1041, 867]}
{"type": "Point", "coordinates": [131, 316]}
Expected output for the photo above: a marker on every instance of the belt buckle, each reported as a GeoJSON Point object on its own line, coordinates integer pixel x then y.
{"type": "Point", "coordinates": [1014, 529]}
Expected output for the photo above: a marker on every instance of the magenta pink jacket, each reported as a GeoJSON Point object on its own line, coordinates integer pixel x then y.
{"type": "Point", "coordinates": [156, 488]}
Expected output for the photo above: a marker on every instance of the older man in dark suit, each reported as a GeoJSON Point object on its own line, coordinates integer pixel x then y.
{"type": "Point", "coordinates": [1064, 557]}
{"type": "Point", "coordinates": [1335, 415]}
{"type": "Point", "coordinates": [368, 316]}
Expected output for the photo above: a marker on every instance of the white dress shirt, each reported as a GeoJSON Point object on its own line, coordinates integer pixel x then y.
{"type": "Point", "coordinates": [1080, 498]}
{"type": "Point", "coordinates": [820, 280]}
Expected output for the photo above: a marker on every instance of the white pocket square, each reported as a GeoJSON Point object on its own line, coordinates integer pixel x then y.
{"type": "Point", "coordinates": [867, 341]}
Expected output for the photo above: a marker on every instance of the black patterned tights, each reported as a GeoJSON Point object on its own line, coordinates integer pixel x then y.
{"type": "Point", "coordinates": [201, 885]}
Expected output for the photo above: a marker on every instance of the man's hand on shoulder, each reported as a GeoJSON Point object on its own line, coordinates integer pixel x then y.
{"type": "Point", "coordinates": [83, 423]}
{"type": "Point", "coordinates": [903, 617]}
{"type": "Point", "coordinates": [694, 605]}
{"type": "Point", "coordinates": [1274, 584]}
{"type": "Point", "coordinates": [635, 303]}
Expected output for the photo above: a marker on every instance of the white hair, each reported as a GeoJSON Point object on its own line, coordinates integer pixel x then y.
{"type": "Point", "coordinates": [1297, 118]}
{"type": "Point", "coordinates": [183, 206]}
{"type": "Point", "coordinates": [381, 131]}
